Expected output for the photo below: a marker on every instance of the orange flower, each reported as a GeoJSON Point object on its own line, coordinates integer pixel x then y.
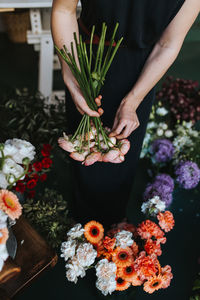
{"type": "Point", "coordinates": [9, 203]}
{"type": "Point", "coordinates": [167, 276]}
{"type": "Point", "coordinates": [153, 284]}
{"type": "Point", "coordinates": [3, 235]}
{"type": "Point", "coordinates": [135, 249]}
{"type": "Point", "coordinates": [148, 229]}
{"type": "Point", "coordinates": [122, 257]}
{"type": "Point", "coordinates": [152, 247]}
{"type": "Point", "coordinates": [99, 248]}
{"type": "Point", "coordinates": [136, 281]}
{"type": "Point", "coordinates": [166, 220]}
{"type": "Point", "coordinates": [146, 266]}
{"type": "Point", "coordinates": [109, 243]}
{"type": "Point", "coordinates": [127, 273]}
{"type": "Point", "coordinates": [122, 284]}
{"type": "Point", "coordinates": [93, 232]}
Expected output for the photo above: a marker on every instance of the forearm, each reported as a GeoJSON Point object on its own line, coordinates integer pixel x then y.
{"type": "Point", "coordinates": [159, 61]}
{"type": "Point", "coordinates": [63, 25]}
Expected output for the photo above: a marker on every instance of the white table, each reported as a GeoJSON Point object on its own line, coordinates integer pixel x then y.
{"type": "Point", "coordinates": [40, 37]}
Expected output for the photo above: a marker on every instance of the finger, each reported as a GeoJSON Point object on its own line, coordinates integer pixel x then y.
{"type": "Point", "coordinates": [80, 110]}
{"type": "Point", "coordinates": [100, 97]}
{"type": "Point", "coordinates": [127, 131]}
{"type": "Point", "coordinates": [98, 101]}
{"type": "Point", "coordinates": [118, 130]}
{"type": "Point", "coordinates": [100, 111]}
{"type": "Point", "coordinates": [89, 112]}
{"type": "Point", "coordinates": [116, 122]}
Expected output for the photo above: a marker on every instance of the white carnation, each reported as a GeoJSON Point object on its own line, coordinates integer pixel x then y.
{"type": "Point", "coordinates": [124, 239]}
{"type": "Point", "coordinates": [9, 150]}
{"type": "Point", "coordinates": [86, 254]}
{"type": "Point", "coordinates": [11, 168]}
{"type": "Point", "coordinates": [106, 286]}
{"type": "Point", "coordinates": [168, 133]}
{"type": "Point", "coordinates": [106, 270]}
{"type": "Point", "coordinates": [3, 219]}
{"type": "Point", "coordinates": [24, 150]}
{"type": "Point", "coordinates": [76, 231]}
{"type": "Point", "coordinates": [68, 249]}
{"type": "Point", "coordinates": [153, 206]}
{"type": "Point", "coordinates": [3, 181]}
{"type": "Point", "coordinates": [161, 111]}
{"type": "Point", "coordinates": [74, 270]}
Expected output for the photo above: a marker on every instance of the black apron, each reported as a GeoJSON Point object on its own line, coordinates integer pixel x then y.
{"type": "Point", "coordinates": [101, 191]}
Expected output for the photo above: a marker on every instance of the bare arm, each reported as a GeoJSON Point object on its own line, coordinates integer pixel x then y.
{"type": "Point", "coordinates": [63, 25]}
{"type": "Point", "coordinates": [161, 58]}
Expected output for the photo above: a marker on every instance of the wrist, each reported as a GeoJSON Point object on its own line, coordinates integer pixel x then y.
{"type": "Point", "coordinates": [133, 101]}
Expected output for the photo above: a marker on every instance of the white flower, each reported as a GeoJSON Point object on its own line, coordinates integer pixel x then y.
{"type": "Point", "coordinates": [153, 206]}
{"type": "Point", "coordinates": [24, 150]}
{"type": "Point", "coordinates": [151, 125]}
{"type": "Point", "coordinates": [9, 150]}
{"type": "Point", "coordinates": [68, 249]}
{"type": "Point", "coordinates": [3, 252]}
{"type": "Point", "coordinates": [106, 270]}
{"type": "Point", "coordinates": [86, 254]}
{"type": "Point", "coordinates": [164, 126]}
{"type": "Point", "coordinates": [74, 270]}
{"type": "Point", "coordinates": [124, 239]}
{"type": "Point", "coordinates": [161, 111]}
{"type": "Point", "coordinates": [76, 231]}
{"type": "Point", "coordinates": [106, 286]}
{"type": "Point", "coordinates": [159, 132]}
{"type": "Point", "coordinates": [10, 167]}
{"type": "Point", "coordinates": [168, 133]}
{"type": "Point", "coordinates": [3, 181]}
{"type": "Point", "coordinates": [3, 219]}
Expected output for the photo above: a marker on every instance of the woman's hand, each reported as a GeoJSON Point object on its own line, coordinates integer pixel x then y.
{"type": "Point", "coordinates": [126, 120]}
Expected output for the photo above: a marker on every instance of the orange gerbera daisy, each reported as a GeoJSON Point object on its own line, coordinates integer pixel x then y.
{"type": "Point", "coordinates": [3, 235]}
{"type": "Point", "coordinates": [166, 220]}
{"type": "Point", "coordinates": [167, 276]}
{"type": "Point", "coordinates": [136, 281]}
{"type": "Point", "coordinates": [123, 257]}
{"type": "Point", "coordinates": [147, 229]}
{"type": "Point", "coordinates": [109, 243]}
{"type": "Point", "coordinates": [134, 247]}
{"type": "Point", "coordinates": [152, 247]}
{"type": "Point", "coordinates": [146, 266]}
{"type": "Point", "coordinates": [122, 284]}
{"type": "Point", "coordinates": [93, 232]}
{"type": "Point", "coordinates": [9, 203]}
{"type": "Point", "coordinates": [127, 273]}
{"type": "Point", "coordinates": [153, 284]}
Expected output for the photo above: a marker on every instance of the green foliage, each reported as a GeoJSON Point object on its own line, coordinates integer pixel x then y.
{"type": "Point", "coordinates": [25, 115]}
{"type": "Point", "coordinates": [196, 289]}
{"type": "Point", "coordinates": [49, 215]}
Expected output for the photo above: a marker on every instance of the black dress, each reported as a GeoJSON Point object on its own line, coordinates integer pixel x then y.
{"type": "Point", "coordinates": [102, 190]}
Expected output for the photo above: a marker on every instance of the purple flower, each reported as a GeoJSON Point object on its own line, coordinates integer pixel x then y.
{"type": "Point", "coordinates": [159, 189]}
{"type": "Point", "coordinates": [165, 179]}
{"type": "Point", "coordinates": [188, 174]}
{"type": "Point", "coordinates": [162, 150]}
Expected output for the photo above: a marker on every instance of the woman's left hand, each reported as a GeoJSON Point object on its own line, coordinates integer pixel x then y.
{"type": "Point", "coordinates": [126, 120]}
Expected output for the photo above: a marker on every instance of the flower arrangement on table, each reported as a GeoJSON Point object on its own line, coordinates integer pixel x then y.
{"type": "Point", "coordinates": [37, 172]}
{"type": "Point", "coordinates": [15, 157]}
{"type": "Point", "coordinates": [125, 256]}
{"type": "Point", "coordinates": [91, 142]}
{"type": "Point", "coordinates": [172, 144]}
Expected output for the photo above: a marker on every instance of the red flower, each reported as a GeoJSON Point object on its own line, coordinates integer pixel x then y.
{"type": "Point", "coordinates": [46, 162]}
{"type": "Point", "coordinates": [20, 187]}
{"type": "Point", "coordinates": [35, 176]}
{"type": "Point", "coordinates": [31, 194]}
{"type": "Point", "coordinates": [45, 152]}
{"type": "Point", "coordinates": [31, 184]}
{"type": "Point", "coordinates": [37, 166]}
{"type": "Point", "coordinates": [43, 177]}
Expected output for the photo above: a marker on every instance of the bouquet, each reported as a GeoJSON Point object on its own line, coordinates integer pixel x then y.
{"type": "Point", "coordinates": [15, 157]}
{"type": "Point", "coordinates": [91, 143]}
{"type": "Point", "coordinates": [126, 256]}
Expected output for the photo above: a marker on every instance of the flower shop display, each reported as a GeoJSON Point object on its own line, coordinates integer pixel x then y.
{"type": "Point", "coordinates": [15, 157]}
{"type": "Point", "coordinates": [37, 172]}
{"type": "Point", "coordinates": [49, 215]}
{"type": "Point", "coordinates": [91, 143]}
{"type": "Point", "coordinates": [125, 256]}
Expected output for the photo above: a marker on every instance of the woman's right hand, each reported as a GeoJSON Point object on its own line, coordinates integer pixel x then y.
{"type": "Point", "coordinates": [78, 98]}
